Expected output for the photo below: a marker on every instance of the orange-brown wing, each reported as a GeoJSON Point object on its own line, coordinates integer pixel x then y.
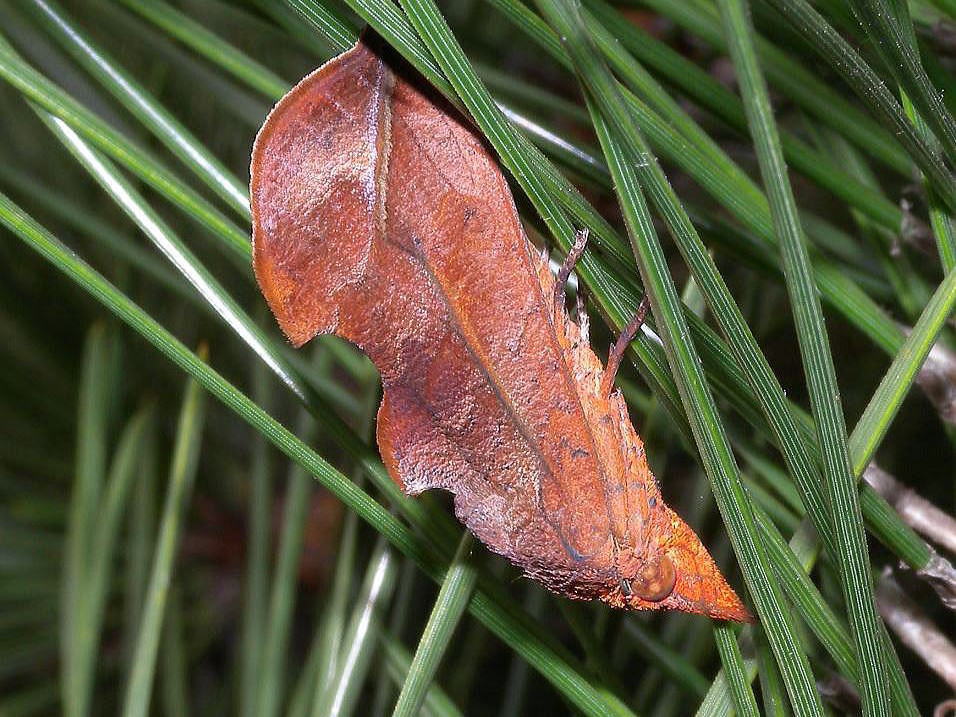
{"type": "Point", "coordinates": [378, 215]}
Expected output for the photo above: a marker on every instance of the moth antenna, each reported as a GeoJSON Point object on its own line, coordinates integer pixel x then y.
{"type": "Point", "coordinates": [581, 313]}
{"type": "Point", "coordinates": [620, 346]}
{"type": "Point", "coordinates": [577, 249]}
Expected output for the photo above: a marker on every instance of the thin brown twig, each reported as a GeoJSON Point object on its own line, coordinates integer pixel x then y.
{"type": "Point", "coordinates": [946, 708]}
{"type": "Point", "coordinates": [915, 629]}
{"type": "Point", "coordinates": [915, 510]}
{"type": "Point", "coordinates": [937, 378]}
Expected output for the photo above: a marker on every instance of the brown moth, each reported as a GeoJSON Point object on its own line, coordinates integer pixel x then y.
{"type": "Point", "coordinates": [380, 216]}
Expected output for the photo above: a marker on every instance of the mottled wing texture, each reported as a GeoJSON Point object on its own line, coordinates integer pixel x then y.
{"type": "Point", "coordinates": [379, 216]}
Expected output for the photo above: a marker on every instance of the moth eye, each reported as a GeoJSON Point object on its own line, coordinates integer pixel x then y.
{"type": "Point", "coordinates": [656, 579]}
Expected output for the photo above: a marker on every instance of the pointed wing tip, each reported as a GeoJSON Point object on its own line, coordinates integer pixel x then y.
{"type": "Point", "coordinates": [725, 604]}
{"type": "Point", "coordinates": [735, 612]}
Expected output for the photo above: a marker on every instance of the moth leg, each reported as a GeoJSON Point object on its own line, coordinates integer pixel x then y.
{"type": "Point", "coordinates": [581, 314]}
{"type": "Point", "coordinates": [580, 241]}
{"type": "Point", "coordinates": [620, 346]}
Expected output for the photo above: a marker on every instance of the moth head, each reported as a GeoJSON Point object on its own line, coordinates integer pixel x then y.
{"type": "Point", "coordinates": [652, 582]}
{"type": "Point", "coordinates": [674, 571]}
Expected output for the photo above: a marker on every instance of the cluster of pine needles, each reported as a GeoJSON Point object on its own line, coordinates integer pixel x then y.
{"type": "Point", "coordinates": [194, 518]}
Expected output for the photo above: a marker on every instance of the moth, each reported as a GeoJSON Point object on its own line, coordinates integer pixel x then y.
{"type": "Point", "coordinates": [380, 216]}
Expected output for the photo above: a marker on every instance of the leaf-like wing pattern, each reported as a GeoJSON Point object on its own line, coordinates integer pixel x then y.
{"type": "Point", "coordinates": [380, 216]}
